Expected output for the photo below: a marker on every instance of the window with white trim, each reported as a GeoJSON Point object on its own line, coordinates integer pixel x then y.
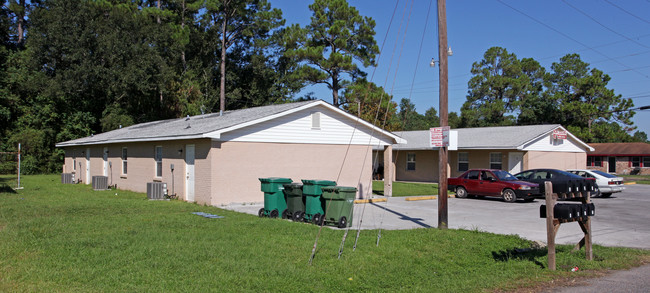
{"type": "Point", "coordinates": [496, 161]}
{"type": "Point", "coordinates": [158, 155]}
{"type": "Point", "coordinates": [410, 162]}
{"type": "Point", "coordinates": [74, 161]}
{"type": "Point", "coordinates": [124, 161]}
{"type": "Point", "coordinates": [463, 161]}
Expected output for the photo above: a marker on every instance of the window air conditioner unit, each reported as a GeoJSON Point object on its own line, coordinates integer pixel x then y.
{"type": "Point", "coordinates": [156, 190]}
{"type": "Point", "coordinates": [67, 178]}
{"type": "Point", "coordinates": [100, 182]}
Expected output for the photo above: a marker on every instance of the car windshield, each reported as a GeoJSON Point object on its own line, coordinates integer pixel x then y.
{"type": "Point", "coordinates": [601, 173]}
{"type": "Point", "coordinates": [505, 176]}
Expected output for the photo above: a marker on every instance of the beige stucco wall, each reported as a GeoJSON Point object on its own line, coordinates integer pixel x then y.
{"type": "Point", "coordinates": [426, 166]}
{"type": "Point", "coordinates": [226, 172]}
{"type": "Point", "coordinates": [426, 169]}
{"type": "Point", "coordinates": [555, 160]}
{"type": "Point", "coordinates": [141, 166]}
{"type": "Point", "coordinates": [238, 165]}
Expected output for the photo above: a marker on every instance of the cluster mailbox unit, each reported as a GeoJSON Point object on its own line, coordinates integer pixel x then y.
{"type": "Point", "coordinates": [558, 213]}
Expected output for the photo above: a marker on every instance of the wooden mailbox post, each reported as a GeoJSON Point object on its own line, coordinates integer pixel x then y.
{"type": "Point", "coordinates": [553, 224]}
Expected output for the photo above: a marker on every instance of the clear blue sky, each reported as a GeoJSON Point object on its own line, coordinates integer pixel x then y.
{"type": "Point", "coordinates": [610, 35]}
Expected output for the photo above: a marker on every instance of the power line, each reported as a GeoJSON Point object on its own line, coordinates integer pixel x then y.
{"type": "Point", "coordinates": [567, 36]}
{"type": "Point", "coordinates": [601, 24]}
{"type": "Point", "coordinates": [629, 13]}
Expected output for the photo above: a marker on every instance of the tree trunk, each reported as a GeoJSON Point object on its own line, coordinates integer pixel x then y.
{"type": "Point", "coordinates": [158, 5]}
{"type": "Point", "coordinates": [20, 22]}
{"type": "Point", "coordinates": [182, 28]}
{"type": "Point", "coordinates": [222, 94]}
{"type": "Point", "coordinates": [335, 89]}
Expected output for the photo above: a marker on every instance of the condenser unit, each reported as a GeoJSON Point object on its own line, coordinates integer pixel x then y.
{"type": "Point", "coordinates": [100, 182]}
{"type": "Point", "coordinates": [156, 190]}
{"type": "Point", "coordinates": [67, 178]}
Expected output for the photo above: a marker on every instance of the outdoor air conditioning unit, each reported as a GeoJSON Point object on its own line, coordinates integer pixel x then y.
{"type": "Point", "coordinates": [156, 190]}
{"type": "Point", "coordinates": [100, 182]}
{"type": "Point", "coordinates": [67, 178]}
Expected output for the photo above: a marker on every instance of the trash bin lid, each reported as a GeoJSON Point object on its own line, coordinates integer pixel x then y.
{"type": "Point", "coordinates": [339, 189]}
{"type": "Point", "coordinates": [293, 185]}
{"type": "Point", "coordinates": [275, 180]}
{"type": "Point", "coordinates": [319, 182]}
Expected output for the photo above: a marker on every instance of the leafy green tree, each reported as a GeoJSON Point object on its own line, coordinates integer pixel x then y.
{"type": "Point", "coordinates": [239, 22]}
{"type": "Point", "coordinates": [453, 120]}
{"type": "Point", "coordinates": [370, 102]}
{"type": "Point", "coordinates": [532, 105]}
{"type": "Point", "coordinates": [328, 47]}
{"type": "Point", "coordinates": [640, 136]}
{"type": "Point", "coordinates": [431, 118]}
{"type": "Point", "coordinates": [494, 89]}
{"type": "Point", "coordinates": [582, 99]}
{"type": "Point", "coordinates": [408, 118]}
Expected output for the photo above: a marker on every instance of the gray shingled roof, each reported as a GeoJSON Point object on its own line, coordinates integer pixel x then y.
{"type": "Point", "coordinates": [502, 137]}
{"type": "Point", "coordinates": [184, 128]}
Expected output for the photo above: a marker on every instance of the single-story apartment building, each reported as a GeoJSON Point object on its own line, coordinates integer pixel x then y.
{"type": "Point", "coordinates": [510, 148]}
{"type": "Point", "coordinates": [620, 158]}
{"type": "Point", "coordinates": [217, 159]}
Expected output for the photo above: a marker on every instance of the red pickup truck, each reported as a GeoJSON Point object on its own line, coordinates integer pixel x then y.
{"type": "Point", "coordinates": [487, 182]}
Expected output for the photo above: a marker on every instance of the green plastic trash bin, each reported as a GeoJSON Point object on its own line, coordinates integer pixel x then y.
{"type": "Point", "coordinates": [314, 207]}
{"type": "Point", "coordinates": [295, 202]}
{"type": "Point", "coordinates": [339, 203]}
{"type": "Point", "coordinates": [274, 202]}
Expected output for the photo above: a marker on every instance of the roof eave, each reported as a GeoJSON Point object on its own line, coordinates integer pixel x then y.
{"type": "Point", "coordinates": [128, 140]}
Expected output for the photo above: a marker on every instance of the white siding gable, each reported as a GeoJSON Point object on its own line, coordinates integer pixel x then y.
{"type": "Point", "coordinates": [299, 127]}
{"type": "Point", "coordinates": [548, 144]}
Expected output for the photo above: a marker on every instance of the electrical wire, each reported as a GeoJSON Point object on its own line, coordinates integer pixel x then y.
{"type": "Point", "coordinates": [569, 37]}
{"type": "Point", "coordinates": [313, 252]}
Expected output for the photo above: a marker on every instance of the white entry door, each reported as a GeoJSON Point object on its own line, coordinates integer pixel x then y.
{"type": "Point", "coordinates": [105, 161]}
{"type": "Point", "coordinates": [189, 172]}
{"type": "Point", "coordinates": [87, 166]}
{"type": "Point", "coordinates": [515, 162]}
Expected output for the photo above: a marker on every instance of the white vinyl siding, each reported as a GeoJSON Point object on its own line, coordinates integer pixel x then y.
{"type": "Point", "coordinates": [548, 144]}
{"type": "Point", "coordinates": [335, 128]}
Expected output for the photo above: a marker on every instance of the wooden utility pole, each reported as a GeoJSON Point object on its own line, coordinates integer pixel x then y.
{"type": "Point", "coordinates": [442, 153]}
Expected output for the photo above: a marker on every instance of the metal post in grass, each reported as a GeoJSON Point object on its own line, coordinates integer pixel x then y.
{"type": "Point", "coordinates": [18, 187]}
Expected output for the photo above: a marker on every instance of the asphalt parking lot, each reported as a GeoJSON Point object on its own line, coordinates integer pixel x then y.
{"type": "Point", "coordinates": [621, 220]}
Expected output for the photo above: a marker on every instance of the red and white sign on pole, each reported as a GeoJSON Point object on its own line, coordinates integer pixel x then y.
{"type": "Point", "coordinates": [439, 136]}
{"type": "Point", "coordinates": [559, 134]}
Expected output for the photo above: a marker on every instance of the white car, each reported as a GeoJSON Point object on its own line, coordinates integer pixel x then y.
{"type": "Point", "coordinates": [607, 183]}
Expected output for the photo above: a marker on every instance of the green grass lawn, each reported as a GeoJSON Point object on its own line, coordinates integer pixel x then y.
{"type": "Point", "coordinates": [56, 237]}
{"type": "Point", "coordinates": [406, 188]}
{"type": "Point", "coordinates": [639, 179]}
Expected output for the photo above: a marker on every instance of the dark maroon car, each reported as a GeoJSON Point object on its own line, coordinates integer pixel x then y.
{"type": "Point", "coordinates": [487, 182]}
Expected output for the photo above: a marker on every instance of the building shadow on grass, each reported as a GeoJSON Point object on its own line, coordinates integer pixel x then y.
{"type": "Point", "coordinates": [528, 254]}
